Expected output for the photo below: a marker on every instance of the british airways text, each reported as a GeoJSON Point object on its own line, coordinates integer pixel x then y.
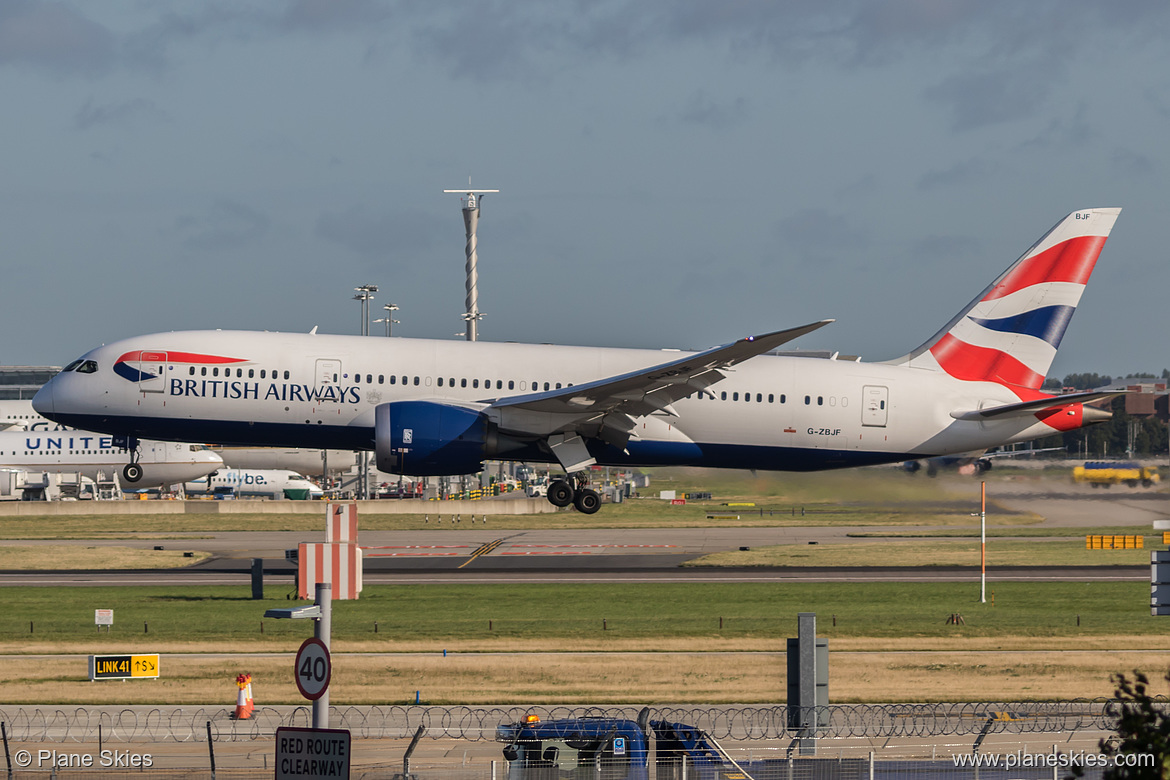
{"type": "Point", "coordinates": [213, 388]}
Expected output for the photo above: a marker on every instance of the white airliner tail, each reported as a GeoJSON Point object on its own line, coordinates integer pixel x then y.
{"type": "Point", "coordinates": [1010, 333]}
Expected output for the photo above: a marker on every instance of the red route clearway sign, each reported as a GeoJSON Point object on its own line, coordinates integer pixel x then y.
{"type": "Point", "coordinates": [308, 754]}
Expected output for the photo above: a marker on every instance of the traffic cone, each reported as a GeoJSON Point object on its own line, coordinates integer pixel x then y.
{"type": "Point", "coordinates": [248, 697]}
{"type": "Point", "coordinates": [243, 710]}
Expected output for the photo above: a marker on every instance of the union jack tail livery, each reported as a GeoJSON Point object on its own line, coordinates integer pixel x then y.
{"type": "Point", "coordinates": [1010, 332]}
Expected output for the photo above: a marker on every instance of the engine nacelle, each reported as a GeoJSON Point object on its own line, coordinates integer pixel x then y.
{"type": "Point", "coordinates": [429, 439]}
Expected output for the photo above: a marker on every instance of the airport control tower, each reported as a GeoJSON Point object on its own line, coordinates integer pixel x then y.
{"type": "Point", "coordinates": [471, 222]}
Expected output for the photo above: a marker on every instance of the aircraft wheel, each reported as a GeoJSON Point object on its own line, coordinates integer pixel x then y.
{"type": "Point", "coordinates": [560, 493]}
{"type": "Point", "coordinates": [132, 472]}
{"type": "Point", "coordinates": [587, 501]}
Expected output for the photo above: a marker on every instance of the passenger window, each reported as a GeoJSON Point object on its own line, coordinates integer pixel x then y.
{"type": "Point", "coordinates": [499, 384]}
{"type": "Point", "coordinates": [783, 398]}
{"type": "Point", "coordinates": [262, 372]}
{"type": "Point", "coordinates": [546, 385]}
{"type": "Point", "coordinates": [511, 385]}
{"type": "Point", "coordinates": [760, 398]}
{"type": "Point", "coordinates": [735, 396]}
{"type": "Point", "coordinates": [286, 375]}
{"type": "Point", "coordinates": [393, 379]}
{"type": "Point", "coordinates": [820, 400]}
{"type": "Point", "coordinates": [203, 371]}
{"type": "Point", "coordinates": [807, 400]}
{"type": "Point", "coordinates": [416, 381]}
{"type": "Point", "coordinates": [463, 382]}
{"type": "Point", "coordinates": [771, 398]}
{"type": "Point", "coordinates": [191, 371]}
{"type": "Point", "coordinates": [475, 383]}
{"type": "Point", "coordinates": [251, 372]}
{"type": "Point", "coordinates": [451, 382]}
{"type": "Point", "coordinates": [381, 379]}
{"type": "Point", "coordinates": [215, 371]}
{"type": "Point", "coordinates": [558, 385]}
{"type": "Point", "coordinates": [723, 396]}
{"type": "Point", "coordinates": [440, 381]}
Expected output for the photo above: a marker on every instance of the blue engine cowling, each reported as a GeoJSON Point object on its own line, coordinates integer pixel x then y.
{"type": "Point", "coordinates": [428, 439]}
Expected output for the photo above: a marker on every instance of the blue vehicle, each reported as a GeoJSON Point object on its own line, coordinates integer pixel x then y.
{"type": "Point", "coordinates": [610, 749]}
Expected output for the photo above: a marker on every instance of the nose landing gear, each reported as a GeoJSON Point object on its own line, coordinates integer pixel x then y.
{"type": "Point", "coordinates": [132, 472]}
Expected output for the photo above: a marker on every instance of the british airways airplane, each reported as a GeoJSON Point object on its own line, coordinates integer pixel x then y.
{"type": "Point", "coordinates": [429, 407]}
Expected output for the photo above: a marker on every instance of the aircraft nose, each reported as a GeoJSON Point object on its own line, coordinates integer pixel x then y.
{"type": "Point", "coordinates": [42, 402]}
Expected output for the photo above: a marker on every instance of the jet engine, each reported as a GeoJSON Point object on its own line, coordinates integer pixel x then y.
{"type": "Point", "coordinates": [429, 439]}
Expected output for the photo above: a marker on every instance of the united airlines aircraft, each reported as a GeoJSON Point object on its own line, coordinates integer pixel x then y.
{"type": "Point", "coordinates": [156, 463]}
{"type": "Point", "coordinates": [428, 407]}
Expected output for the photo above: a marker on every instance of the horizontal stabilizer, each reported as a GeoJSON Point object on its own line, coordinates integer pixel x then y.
{"type": "Point", "coordinates": [1025, 408]}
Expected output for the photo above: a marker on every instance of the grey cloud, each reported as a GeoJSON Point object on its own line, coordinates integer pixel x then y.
{"type": "Point", "coordinates": [53, 36]}
{"type": "Point", "coordinates": [820, 237]}
{"type": "Point", "coordinates": [989, 97]}
{"type": "Point", "coordinates": [386, 236]}
{"type": "Point", "coordinates": [702, 109]}
{"type": "Point", "coordinates": [1063, 131]}
{"type": "Point", "coordinates": [91, 115]}
{"type": "Point", "coordinates": [959, 174]}
{"type": "Point", "coordinates": [226, 225]}
{"type": "Point", "coordinates": [1133, 163]}
{"type": "Point", "coordinates": [946, 249]}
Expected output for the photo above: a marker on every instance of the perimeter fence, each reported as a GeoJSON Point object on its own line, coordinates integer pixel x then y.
{"type": "Point", "coordinates": [741, 723]}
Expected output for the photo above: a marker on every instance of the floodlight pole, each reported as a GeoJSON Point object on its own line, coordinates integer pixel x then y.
{"type": "Point", "coordinates": [983, 542]}
{"type": "Point", "coordinates": [470, 223]}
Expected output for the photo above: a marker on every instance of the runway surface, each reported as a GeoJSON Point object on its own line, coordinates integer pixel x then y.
{"type": "Point", "coordinates": [474, 552]}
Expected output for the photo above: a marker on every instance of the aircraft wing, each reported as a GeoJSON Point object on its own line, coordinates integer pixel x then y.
{"type": "Point", "coordinates": [606, 408]}
{"type": "Point", "coordinates": [1025, 408]}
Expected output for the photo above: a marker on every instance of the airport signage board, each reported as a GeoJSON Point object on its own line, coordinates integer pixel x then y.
{"type": "Point", "coordinates": [1159, 582]}
{"type": "Point", "coordinates": [312, 669]}
{"type": "Point", "coordinates": [305, 754]}
{"type": "Point", "coordinates": [122, 667]}
{"type": "Point", "coordinates": [103, 617]}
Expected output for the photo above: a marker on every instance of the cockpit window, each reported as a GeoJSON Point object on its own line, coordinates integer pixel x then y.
{"type": "Point", "coordinates": [88, 367]}
{"type": "Point", "coordinates": [71, 366]}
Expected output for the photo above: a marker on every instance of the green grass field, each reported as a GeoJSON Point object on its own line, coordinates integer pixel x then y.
{"type": "Point", "coordinates": [564, 616]}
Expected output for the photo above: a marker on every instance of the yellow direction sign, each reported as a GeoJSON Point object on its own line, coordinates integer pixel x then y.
{"type": "Point", "coordinates": [122, 667]}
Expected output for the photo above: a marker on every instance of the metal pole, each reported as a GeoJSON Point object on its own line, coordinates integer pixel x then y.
{"type": "Point", "coordinates": [322, 630]}
{"type": "Point", "coordinates": [211, 750]}
{"type": "Point", "coordinates": [983, 542]}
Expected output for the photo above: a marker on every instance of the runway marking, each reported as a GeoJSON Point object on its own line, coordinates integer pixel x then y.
{"type": "Point", "coordinates": [604, 546]}
{"type": "Point", "coordinates": [483, 550]}
{"type": "Point", "coordinates": [406, 554]}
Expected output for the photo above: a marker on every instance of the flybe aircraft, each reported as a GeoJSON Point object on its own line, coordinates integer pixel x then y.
{"type": "Point", "coordinates": [82, 452]}
{"type": "Point", "coordinates": [429, 407]}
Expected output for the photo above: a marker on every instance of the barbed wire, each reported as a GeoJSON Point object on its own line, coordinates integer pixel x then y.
{"type": "Point", "coordinates": [474, 723]}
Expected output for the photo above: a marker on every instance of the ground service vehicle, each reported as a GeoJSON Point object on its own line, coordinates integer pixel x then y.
{"type": "Point", "coordinates": [1107, 473]}
{"type": "Point", "coordinates": [614, 749]}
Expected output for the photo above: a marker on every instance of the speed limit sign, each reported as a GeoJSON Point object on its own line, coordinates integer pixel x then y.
{"type": "Point", "coordinates": [313, 669]}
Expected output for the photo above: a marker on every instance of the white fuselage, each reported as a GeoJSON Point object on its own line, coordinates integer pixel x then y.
{"type": "Point", "coordinates": [309, 390]}
{"type": "Point", "coordinates": [95, 455]}
{"type": "Point", "coordinates": [253, 482]}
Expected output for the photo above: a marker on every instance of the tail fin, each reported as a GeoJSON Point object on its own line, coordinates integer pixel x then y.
{"type": "Point", "coordinates": [1009, 334]}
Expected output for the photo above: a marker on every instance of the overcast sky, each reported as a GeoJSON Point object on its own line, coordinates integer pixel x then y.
{"type": "Point", "coordinates": [673, 173]}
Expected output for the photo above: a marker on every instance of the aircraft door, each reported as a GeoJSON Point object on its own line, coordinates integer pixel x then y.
{"type": "Point", "coordinates": [875, 401]}
{"type": "Point", "coordinates": [152, 368]}
{"type": "Point", "coordinates": [328, 372]}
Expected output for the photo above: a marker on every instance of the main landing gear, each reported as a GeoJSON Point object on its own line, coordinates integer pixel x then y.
{"type": "Point", "coordinates": [562, 492]}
